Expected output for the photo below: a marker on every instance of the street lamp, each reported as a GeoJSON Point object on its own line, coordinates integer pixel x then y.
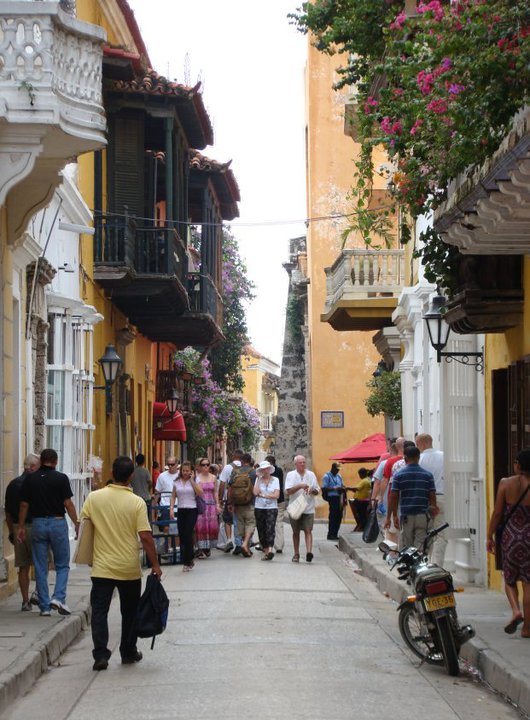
{"type": "Point", "coordinates": [110, 364]}
{"type": "Point", "coordinates": [439, 330]}
{"type": "Point", "coordinates": [172, 403]}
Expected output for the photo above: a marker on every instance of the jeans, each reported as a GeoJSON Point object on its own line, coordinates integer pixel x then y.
{"type": "Point", "coordinates": [186, 519]}
{"type": "Point", "coordinates": [50, 532]}
{"type": "Point", "coordinates": [100, 597]}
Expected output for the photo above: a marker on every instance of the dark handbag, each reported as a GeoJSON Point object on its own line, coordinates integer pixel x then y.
{"type": "Point", "coordinates": [371, 529]}
{"type": "Point", "coordinates": [500, 530]}
{"type": "Point", "coordinates": [201, 504]}
{"type": "Point", "coordinates": [325, 494]}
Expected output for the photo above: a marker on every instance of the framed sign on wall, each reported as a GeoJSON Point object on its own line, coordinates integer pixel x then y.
{"type": "Point", "coordinates": [332, 419]}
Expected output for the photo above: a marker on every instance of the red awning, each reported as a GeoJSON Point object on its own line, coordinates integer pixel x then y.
{"type": "Point", "coordinates": [368, 450]}
{"type": "Point", "coordinates": [165, 427]}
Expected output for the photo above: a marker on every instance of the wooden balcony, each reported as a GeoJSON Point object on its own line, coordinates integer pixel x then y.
{"type": "Point", "coordinates": [490, 297]}
{"type": "Point", "coordinates": [201, 324]}
{"type": "Point", "coordinates": [362, 289]}
{"type": "Point", "coordinates": [144, 269]}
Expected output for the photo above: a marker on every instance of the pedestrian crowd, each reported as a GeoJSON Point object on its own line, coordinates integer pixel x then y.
{"type": "Point", "coordinates": [199, 507]}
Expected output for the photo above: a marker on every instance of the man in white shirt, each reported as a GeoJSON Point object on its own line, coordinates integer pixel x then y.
{"type": "Point", "coordinates": [433, 461]}
{"type": "Point", "coordinates": [229, 517]}
{"type": "Point", "coordinates": [300, 481]}
{"type": "Point", "coordinates": [164, 488]}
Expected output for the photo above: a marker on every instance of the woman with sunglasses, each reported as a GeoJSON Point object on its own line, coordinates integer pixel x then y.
{"type": "Point", "coordinates": [207, 526]}
{"type": "Point", "coordinates": [185, 491]}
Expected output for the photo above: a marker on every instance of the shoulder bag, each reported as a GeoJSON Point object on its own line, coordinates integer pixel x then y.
{"type": "Point", "coordinates": [84, 550]}
{"type": "Point", "coordinates": [371, 529]}
{"type": "Point", "coordinates": [500, 530]}
{"type": "Point", "coordinates": [201, 504]}
{"type": "Point", "coordinates": [296, 507]}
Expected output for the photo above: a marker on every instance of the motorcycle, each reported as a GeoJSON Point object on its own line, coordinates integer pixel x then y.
{"type": "Point", "coordinates": [428, 621]}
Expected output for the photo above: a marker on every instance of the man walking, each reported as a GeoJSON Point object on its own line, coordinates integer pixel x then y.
{"type": "Point", "coordinates": [164, 489]}
{"type": "Point", "coordinates": [141, 482]}
{"type": "Point", "coordinates": [228, 515]}
{"type": "Point", "coordinates": [46, 494]}
{"type": "Point", "coordinates": [333, 483]}
{"type": "Point", "coordinates": [413, 489]}
{"type": "Point", "coordinates": [23, 552]}
{"type": "Point", "coordinates": [240, 499]}
{"type": "Point", "coordinates": [298, 481]}
{"type": "Point", "coordinates": [433, 461]}
{"type": "Point", "coordinates": [282, 504]}
{"type": "Point", "coordinates": [118, 517]}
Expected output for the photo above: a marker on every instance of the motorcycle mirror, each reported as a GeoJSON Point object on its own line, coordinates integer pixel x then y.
{"type": "Point", "coordinates": [383, 547]}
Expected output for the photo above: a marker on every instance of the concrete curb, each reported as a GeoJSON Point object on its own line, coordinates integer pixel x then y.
{"type": "Point", "coordinates": [28, 667]}
{"type": "Point", "coordinates": [504, 678]}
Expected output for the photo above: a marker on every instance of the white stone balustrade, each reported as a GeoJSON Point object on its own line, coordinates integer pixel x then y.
{"type": "Point", "coordinates": [50, 98]}
{"type": "Point", "coordinates": [361, 273]}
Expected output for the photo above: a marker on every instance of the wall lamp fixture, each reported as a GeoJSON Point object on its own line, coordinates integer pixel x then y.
{"type": "Point", "coordinates": [439, 330]}
{"type": "Point", "coordinates": [110, 363]}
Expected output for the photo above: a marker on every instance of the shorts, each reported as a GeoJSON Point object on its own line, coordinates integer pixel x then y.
{"type": "Point", "coordinates": [23, 555]}
{"type": "Point", "coordinates": [245, 518]}
{"type": "Point", "coordinates": [304, 522]}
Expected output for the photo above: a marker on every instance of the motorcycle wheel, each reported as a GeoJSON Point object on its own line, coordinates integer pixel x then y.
{"type": "Point", "coordinates": [447, 641]}
{"type": "Point", "coordinates": [417, 636]}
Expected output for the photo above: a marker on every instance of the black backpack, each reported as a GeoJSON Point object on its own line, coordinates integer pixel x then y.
{"type": "Point", "coordinates": [151, 619]}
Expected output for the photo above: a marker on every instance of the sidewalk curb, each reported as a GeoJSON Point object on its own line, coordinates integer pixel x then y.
{"type": "Point", "coordinates": [29, 666]}
{"type": "Point", "coordinates": [506, 680]}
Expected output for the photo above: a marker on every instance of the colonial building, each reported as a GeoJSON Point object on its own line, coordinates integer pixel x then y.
{"type": "Point", "coordinates": [262, 379]}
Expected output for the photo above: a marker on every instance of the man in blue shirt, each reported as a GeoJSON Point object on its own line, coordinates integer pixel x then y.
{"type": "Point", "coordinates": [332, 482]}
{"type": "Point", "coordinates": [413, 489]}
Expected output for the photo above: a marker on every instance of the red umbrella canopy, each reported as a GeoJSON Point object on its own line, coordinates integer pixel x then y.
{"type": "Point", "coordinates": [368, 450]}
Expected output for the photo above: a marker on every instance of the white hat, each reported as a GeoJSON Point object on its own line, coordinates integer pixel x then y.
{"type": "Point", "coordinates": [265, 465]}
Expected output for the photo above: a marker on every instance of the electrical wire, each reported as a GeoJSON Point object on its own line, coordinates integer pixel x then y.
{"type": "Point", "coordinates": [261, 223]}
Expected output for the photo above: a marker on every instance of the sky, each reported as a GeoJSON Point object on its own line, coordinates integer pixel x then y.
{"type": "Point", "coordinates": [251, 64]}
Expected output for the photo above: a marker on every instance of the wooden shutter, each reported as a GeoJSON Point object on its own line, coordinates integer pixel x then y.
{"type": "Point", "coordinates": [501, 425]}
{"type": "Point", "coordinates": [126, 163]}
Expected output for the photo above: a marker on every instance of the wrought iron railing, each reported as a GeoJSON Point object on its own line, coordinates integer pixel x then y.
{"type": "Point", "coordinates": [204, 296]}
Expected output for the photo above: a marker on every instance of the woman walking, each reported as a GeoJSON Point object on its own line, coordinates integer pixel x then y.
{"type": "Point", "coordinates": [207, 525]}
{"type": "Point", "coordinates": [267, 492]}
{"type": "Point", "coordinates": [185, 491]}
{"type": "Point", "coordinates": [512, 513]}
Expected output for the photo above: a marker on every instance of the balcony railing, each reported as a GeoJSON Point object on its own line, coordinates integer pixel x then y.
{"type": "Point", "coordinates": [205, 297]}
{"type": "Point", "coordinates": [363, 274]}
{"type": "Point", "coordinates": [119, 241]}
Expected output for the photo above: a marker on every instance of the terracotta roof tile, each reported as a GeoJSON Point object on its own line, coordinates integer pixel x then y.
{"type": "Point", "coordinates": [223, 180]}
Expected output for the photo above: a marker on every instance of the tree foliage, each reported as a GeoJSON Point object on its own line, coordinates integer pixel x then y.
{"type": "Point", "coordinates": [238, 291]}
{"type": "Point", "coordinates": [385, 395]}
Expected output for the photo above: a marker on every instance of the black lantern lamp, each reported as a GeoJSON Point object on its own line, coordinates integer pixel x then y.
{"type": "Point", "coordinates": [172, 403]}
{"type": "Point", "coordinates": [439, 330]}
{"type": "Point", "coordinates": [110, 363]}
{"type": "Point", "coordinates": [380, 369]}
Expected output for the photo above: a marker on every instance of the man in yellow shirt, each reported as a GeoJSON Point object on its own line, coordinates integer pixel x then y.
{"type": "Point", "coordinates": [361, 502]}
{"type": "Point", "coordinates": [119, 517]}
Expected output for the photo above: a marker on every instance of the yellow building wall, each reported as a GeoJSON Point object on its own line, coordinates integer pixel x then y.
{"type": "Point", "coordinates": [500, 351]}
{"type": "Point", "coordinates": [138, 356]}
{"type": "Point", "coordinates": [341, 362]}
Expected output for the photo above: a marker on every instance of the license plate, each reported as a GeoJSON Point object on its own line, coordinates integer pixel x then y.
{"type": "Point", "coordinates": [439, 602]}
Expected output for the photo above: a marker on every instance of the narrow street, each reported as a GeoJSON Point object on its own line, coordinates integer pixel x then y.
{"type": "Point", "coordinates": [264, 640]}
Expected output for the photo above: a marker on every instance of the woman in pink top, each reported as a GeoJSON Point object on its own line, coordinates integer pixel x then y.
{"type": "Point", "coordinates": [185, 491]}
{"type": "Point", "coordinates": [207, 526]}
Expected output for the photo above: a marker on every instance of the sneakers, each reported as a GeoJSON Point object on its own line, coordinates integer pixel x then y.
{"type": "Point", "coordinates": [61, 608]}
{"type": "Point", "coordinates": [100, 664]}
{"type": "Point", "coordinates": [229, 546]}
{"type": "Point", "coordinates": [45, 613]}
{"type": "Point", "coordinates": [34, 599]}
{"type": "Point", "coordinates": [129, 660]}
{"type": "Point", "coordinates": [26, 607]}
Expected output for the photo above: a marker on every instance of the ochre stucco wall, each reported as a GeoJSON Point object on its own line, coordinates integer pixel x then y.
{"type": "Point", "coordinates": [501, 350]}
{"type": "Point", "coordinates": [341, 362]}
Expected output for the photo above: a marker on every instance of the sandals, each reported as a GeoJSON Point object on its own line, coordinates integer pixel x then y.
{"type": "Point", "coordinates": [513, 625]}
{"type": "Point", "coordinates": [246, 553]}
{"type": "Point", "coordinates": [295, 558]}
{"type": "Point", "coordinates": [268, 556]}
